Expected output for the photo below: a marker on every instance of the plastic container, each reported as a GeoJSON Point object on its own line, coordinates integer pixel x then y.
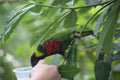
{"type": "Point", "coordinates": [22, 73]}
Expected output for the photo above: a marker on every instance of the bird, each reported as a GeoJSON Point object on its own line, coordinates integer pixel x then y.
{"type": "Point", "coordinates": [49, 48]}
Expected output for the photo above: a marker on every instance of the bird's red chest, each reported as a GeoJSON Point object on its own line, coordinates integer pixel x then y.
{"type": "Point", "coordinates": [53, 46]}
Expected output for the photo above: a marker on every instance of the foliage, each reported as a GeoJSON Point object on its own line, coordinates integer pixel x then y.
{"type": "Point", "coordinates": [66, 69]}
{"type": "Point", "coordinates": [73, 14]}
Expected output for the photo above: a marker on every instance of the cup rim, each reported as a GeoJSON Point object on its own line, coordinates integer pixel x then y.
{"type": "Point", "coordinates": [22, 69]}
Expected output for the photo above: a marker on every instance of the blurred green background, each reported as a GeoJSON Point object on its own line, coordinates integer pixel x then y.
{"type": "Point", "coordinates": [16, 51]}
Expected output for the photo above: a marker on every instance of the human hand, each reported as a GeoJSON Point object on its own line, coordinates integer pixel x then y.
{"type": "Point", "coordinates": [43, 71]}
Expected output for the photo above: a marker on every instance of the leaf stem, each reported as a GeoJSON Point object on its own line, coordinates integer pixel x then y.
{"type": "Point", "coordinates": [95, 15]}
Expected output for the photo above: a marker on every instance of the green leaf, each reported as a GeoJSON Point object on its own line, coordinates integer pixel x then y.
{"type": "Point", "coordinates": [71, 57]}
{"type": "Point", "coordinates": [17, 11]}
{"type": "Point", "coordinates": [52, 28]}
{"type": "Point", "coordinates": [71, 19]}
{"type": "Point", "coordinates": [49, 31]}
{"type": "Point", "coordinates": [62, 34]}
{"type": "Point", "coordinates": [14, 21]}
{"type": "Point", "coordinates": [99, 22]}
{"type": "Point", "coordinates": [68, 71]}
{"type": "Point", "coordinates": [102, 70]}
{"type": "Point", "coordinates": [92, 2]}
{"type": "Point", "coordinates": [14, 13]}
{"type": "Point", "coordinates": [106, 36]}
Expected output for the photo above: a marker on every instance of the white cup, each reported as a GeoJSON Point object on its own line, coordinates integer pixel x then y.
{"type": "Point", "coordinates": [22, 73]}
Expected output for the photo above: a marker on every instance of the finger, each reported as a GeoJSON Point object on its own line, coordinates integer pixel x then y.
{"type": "Point", "coordinates": [42, 62]}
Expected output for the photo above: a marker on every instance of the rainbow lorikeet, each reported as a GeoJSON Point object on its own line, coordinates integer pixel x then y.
{"type": "Point", "coordinates": [49, 48]}
{"type": "Point", "coordinates": [56, 44]}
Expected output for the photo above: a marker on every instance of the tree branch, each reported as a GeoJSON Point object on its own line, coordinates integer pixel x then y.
{"type": "Point", "coordinates": [95, 15]}
{"type": "Point", "coordinates": [79, 7]}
